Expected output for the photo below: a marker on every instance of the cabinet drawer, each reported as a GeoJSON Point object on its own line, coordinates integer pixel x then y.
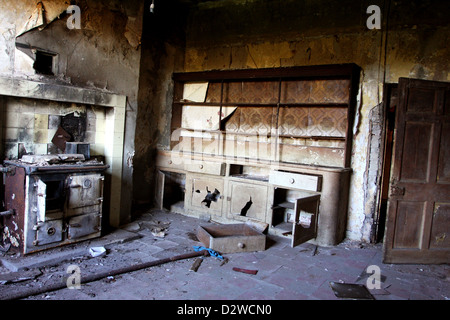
{"type": "Point", "coordinates": [206, 167]}
{"type": "Point", "coordinates": [167, 162]}
{"type": "Point", "coordinates": [295, 180]}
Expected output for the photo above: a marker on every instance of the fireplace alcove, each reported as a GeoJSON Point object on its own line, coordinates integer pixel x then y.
{"type": "Point", "coordinates": [110, 127]}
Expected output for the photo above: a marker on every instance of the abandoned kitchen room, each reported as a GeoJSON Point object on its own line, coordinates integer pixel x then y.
{"type": "Point", "coordinates": [224, 150]}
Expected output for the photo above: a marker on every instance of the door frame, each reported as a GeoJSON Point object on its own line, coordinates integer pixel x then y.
{"type": "Point", "coordinates": [390, 102]}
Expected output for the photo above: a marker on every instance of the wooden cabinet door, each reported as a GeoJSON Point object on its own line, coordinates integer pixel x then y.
{"type": "Point", "coordinates": [303, 231]}
{"type": "Point", "coordinates": [207, 194]}
{"type": "Point", "coordinates": [418, 218]}
{"type": "Point", "coordinates": [247, 200]}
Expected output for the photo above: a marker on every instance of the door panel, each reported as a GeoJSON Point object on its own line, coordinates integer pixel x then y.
{"type": "Point", "coordinates": [417, 225]}
{"type": "Point", "coordinates": [440, 239]}
{"type": "Point", "coordinates": [444, 163]}
{"type": "Point", "coordinates": [409, 224]}
{"type": "Point", "coordinates": [417, 151]}
{"type": "Point", "coordinates": [421, 100]}
{"type": "Point", "coordinates": [247, 200]}
{"type": "Point", "coordinates": [207, 194]}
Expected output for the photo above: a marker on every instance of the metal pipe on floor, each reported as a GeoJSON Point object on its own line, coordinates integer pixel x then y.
{"type": "Point", "coordinates": [99, 276]}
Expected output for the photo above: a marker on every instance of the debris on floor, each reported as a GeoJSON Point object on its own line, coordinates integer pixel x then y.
{"type": "Point", "coordinates": [15, 277]}
{"type": "Point", "coordinates": [196, 264]}
{"type": "Point", "coordinates": [133, 264]}
{"type": "Point", "coordinates": [132, 226]}
{"type": "Point", "coordinates": [351, 291]}
{"type": "Point", "coordinates": [248, 271]}
{"type": "Point", "coordinates": [157, 228]}
{"type": "Point", "coordinates": [212, 252]}
{"type": "Point", "coordinates": [97, 251]}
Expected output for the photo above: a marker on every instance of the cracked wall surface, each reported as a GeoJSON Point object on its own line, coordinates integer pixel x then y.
{"type": "Point", "coordinates": [104, 54]}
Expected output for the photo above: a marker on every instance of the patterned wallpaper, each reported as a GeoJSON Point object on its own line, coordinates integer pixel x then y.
{"type": "Point", "coordinates": [329, 120]}
{"type": "Point", "coordinates": [292, 91]}
{"type": "Point", "coordinates": [294, 121]}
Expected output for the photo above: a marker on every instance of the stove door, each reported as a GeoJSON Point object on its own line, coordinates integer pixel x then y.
{"type": "Point", "coordinates": [85, 225]}
{"type": "Point", "coordinates": [85, 194]}
{"type": "Point", "coordinates": [48, 232]}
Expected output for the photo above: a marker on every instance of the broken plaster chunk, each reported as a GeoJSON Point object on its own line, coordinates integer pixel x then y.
{"type": "Point", "coordinates": [68, 157]}
{"type": "Point", "coordinates": [97, 251]}
{"type": "Point", "coordinates": [157, 228]}
{"type": "Point", "coordinates": [39, 159]}
{"type": "Point", "coordinates": [160, 234]}
{"type": "Point", "coordinates": [132, 226]}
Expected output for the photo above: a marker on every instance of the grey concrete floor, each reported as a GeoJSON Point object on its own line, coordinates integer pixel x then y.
{"type": "Point", "coordinates": [305, 272]}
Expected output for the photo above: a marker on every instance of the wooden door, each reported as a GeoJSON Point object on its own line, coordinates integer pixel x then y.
{"type": "Point", "coordinates": [418, 219]}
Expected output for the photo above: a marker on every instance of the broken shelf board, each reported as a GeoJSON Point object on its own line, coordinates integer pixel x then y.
{"type": "Point", "coordinates": [285, 205]}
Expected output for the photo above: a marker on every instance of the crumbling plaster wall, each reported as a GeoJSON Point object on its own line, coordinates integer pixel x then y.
{"type": "Point", "coordinates": [412, 42]}
{"type": "Point", "coordinates": [163, 44]}
{"type": "Point", "coordinates": [103, 55]}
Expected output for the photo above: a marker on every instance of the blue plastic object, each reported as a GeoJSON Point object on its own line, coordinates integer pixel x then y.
{"type": "Point", "coordinates": [212, 252]}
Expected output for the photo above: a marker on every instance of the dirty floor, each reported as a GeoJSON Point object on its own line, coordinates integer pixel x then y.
{"type": "Point", "coordinates": [306, 272]}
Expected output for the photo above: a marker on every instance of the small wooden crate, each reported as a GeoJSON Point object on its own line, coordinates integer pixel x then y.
{"type": "Point", "coordinates": [230, 238]}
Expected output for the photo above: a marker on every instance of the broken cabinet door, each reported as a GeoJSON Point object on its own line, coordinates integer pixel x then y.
{"type": "Point", "coordinates": [304, 226]}
{"type": "Point", "coordinates": [247, 200]}
{"type": "Point", "coordinates": [207, 194]}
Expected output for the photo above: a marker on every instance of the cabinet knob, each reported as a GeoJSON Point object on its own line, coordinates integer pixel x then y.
{"type": "Point", "coordinates": [200, 166]}
{"type": "Point", "coordinates": [241, 245]}
{"type": "Point", "coordinates": [291, 180]}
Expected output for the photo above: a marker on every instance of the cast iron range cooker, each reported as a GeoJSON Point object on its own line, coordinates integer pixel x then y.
{"type": "Point", "coordinates": [52, 202]}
